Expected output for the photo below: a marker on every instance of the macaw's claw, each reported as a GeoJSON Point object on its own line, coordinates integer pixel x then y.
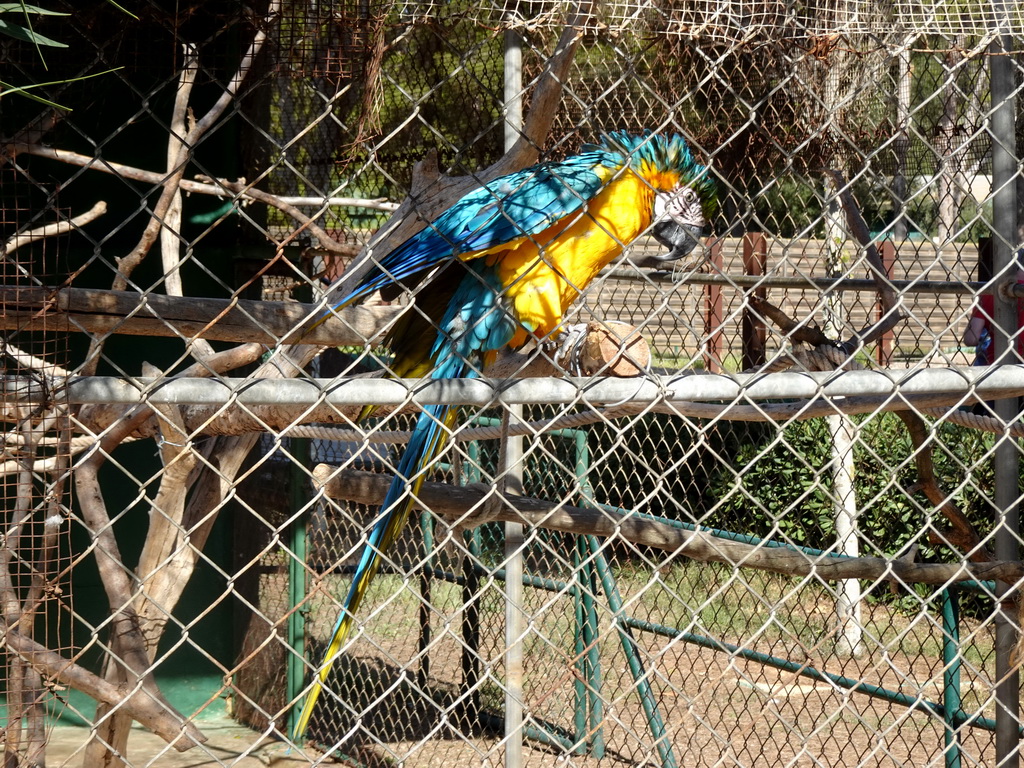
{"type": "Point", "coordinates": [566, 348]}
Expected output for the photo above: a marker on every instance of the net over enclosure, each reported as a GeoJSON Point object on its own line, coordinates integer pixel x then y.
{"type": "Point", "coordinates": [511, 384]}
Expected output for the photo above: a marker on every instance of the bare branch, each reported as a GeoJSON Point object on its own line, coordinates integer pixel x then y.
{"type": "Point", "coordinates": [55, 229]}
{"type": "Point", "coordinates": [138, 703]}
{"type": "Point", "coordinates": [177, 150]}
{"type": "Point", "coordinates": [459, 505]}
{"type": "Point", "coordinates": [217, 188]}
{"type": "Point", "coordinates": [891, 315]}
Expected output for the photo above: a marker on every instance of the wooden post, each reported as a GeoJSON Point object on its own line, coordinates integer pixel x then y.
{"type": "Point", "coordinates": [755, 262]}
{"type": "Point", "coordinates": [713, 312]}
{"type": "Point", "coordinates": [885, 342]}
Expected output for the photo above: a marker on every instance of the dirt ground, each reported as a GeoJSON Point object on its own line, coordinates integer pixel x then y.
{"type": "Point", "coordinates": [719, 710]}
{"type": "Point", "coordinates": [229, 744]}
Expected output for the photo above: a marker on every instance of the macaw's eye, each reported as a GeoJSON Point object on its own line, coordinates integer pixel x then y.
{"type": "Point", "coordinates": [688, 195]}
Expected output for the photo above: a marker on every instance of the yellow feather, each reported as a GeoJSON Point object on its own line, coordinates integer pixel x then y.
{"type": "Point", "coordinates": [545, 274]}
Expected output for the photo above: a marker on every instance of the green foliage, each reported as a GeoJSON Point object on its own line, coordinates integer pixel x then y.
{"type": "Point", "coordinates": [27, 34]}
{"type": "Point", "coordinates": [437, 86]}
{"type": "Point", "coordinates": [658, 450]}
{"type": "Point", "coordinates": [788, 206]}
{"type": "Point", "coordinates": [783, 489]}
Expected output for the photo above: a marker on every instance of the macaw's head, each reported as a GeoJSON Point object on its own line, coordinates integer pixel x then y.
{"type": "Point", "coordinates": [684, 195]}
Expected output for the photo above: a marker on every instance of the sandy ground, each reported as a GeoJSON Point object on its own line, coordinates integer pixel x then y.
{"type": "Point", "coordinates": [230, 744]}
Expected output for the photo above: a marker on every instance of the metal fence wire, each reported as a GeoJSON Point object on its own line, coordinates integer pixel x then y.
{"type": "Point", "coordinates": [769, 518]}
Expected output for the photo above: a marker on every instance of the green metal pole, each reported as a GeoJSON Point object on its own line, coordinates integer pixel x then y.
{"type": "Point", "coordinates": [636, 667]}
{"type": "Point", "coordinates": [426, 578]}
{"type": "Point", "coordinates": [470, 473]}
{"type": "Point", "coordinates": [853, 685]}
{"type": "Point", "coordinates": [951, 700]}
{"type": "Point", "coordinates": [591, 633]}
{"type": "Point", "coordinates": [591, 636]}
{"type": "Point", "coordinates": [580, 694]}
{"type": "Point", "coordinates": [295, 671]}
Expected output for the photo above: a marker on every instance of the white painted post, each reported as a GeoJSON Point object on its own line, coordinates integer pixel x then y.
{"type": "Point", "coordinates": [511, 470]}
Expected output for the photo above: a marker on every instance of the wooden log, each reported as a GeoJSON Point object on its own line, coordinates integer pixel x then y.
{"type": "Point", "coordinates": [460, 505]}
{"type": "Point", "coordinates": [609, 348]}
{"type": "Point", "coordinates": [99, 312]}
{"type": "Point", "coordinates": [612, 348]}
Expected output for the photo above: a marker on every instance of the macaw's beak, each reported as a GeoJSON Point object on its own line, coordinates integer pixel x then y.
{"type": "Point", "coordinates": [680, 239]}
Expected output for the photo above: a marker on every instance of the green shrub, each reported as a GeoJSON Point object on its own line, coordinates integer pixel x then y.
{"type": "Point", "coordinates": [783, 488]}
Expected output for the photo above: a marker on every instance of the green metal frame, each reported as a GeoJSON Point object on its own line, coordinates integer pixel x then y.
{"type": "Point", "coordinates": [295, 672]}
{"type": "Point", "coordinates": [592, 569]}
{"type": "Point", "coordinates": [590, 562]}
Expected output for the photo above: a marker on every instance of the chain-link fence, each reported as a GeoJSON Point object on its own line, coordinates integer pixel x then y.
{"type": "Point", "coordinates": [770, 519]}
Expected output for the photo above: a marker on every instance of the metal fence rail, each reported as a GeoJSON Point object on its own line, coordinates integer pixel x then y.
{"type": "Point", "coordinates": [772, 521]}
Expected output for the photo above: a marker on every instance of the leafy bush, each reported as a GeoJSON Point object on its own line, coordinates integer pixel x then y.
{"type": "Point", "coordinates": [784, 488]}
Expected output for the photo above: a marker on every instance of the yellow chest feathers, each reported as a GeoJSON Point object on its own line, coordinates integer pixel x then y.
{"type": "Point", "coordinates": [545, 274]}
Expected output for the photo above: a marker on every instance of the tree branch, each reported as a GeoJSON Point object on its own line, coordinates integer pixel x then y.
{"type": "Point", "coordinates": [459, 505]}
{"type": "Point", "coordinates": [217, 188]}
{"type": "Point", "coordinates": [891, 315]}
{"type": "Point", "coordinates": [153, 713]}
{"type": "Point", "coordinates": [52, 230]}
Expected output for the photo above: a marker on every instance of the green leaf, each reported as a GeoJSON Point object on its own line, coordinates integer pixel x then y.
{"type": "Point", "coordinates": [24, 8]}
{"type": "Point", "coordinates": [7, 88]}
{"type": "Point", "coordinates": [28, 35]}
{"type": "Point", "coordinates": [122, 9]}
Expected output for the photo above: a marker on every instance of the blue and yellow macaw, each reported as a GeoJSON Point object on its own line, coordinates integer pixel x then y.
{"type": "Point", "coordinates": [501, 266]}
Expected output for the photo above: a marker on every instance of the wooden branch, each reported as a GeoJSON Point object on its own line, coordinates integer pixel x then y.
{"type": "Point", "coordinates": [546, 95]}
{"type": "Point", "coordinates": [171, 189]}
{"type": "Point", "coordinates": [55, 229]}
{"type": "Point", "coordinates": [805, 332]}
{"type": "Point", "coordinates": [165, 535]}
{"type": "Point", "coordinates": [217, 188]}
{"type": "Point", "coordinates": [170, 229]}
{"type": "Point", "coordinates": [154, 714]}
{"type": "Point", "coordinates": [11, 557]}
{"type": "Point", "coordinates": [33, 133]}
{"type": "Point", "coordinates": [127, 662]}
{"type": "Point", "coordinates": [891, 315]}
{"type": "Point", "coordinates": [26, 360]}
{"type": "Point", "coordinates": [961, 534]}
{"type": "Point", "coordinates": [306, 223]}
{"type": "Point", "coordinates": [127, 639]}
{"type": "Point", "coordinates": [177, 151]}
{"type": "Point", "coordinates": [223, 459]}
{"type": "Point", "coordinates": [127, 312]}
{"type": "Point", "coordinates": [457, 504]}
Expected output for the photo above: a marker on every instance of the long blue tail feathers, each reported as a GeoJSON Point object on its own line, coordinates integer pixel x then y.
{"type": "Point", "coordinates": [427, 441]}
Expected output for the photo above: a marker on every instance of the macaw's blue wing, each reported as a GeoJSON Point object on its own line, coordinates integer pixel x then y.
{"type": "Point", "coordinates": [511, 207]}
